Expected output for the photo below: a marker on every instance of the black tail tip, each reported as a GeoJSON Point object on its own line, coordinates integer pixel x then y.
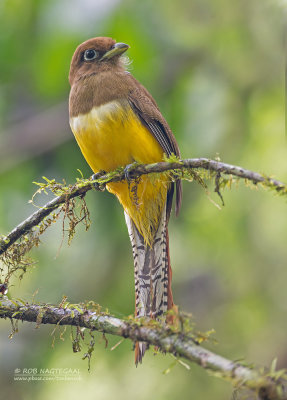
{"type": "Point", "coordinates": [140, 349]}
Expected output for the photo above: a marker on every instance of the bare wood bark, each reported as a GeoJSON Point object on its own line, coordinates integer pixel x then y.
{"type": "Point", "coordinates": [178, 343]}
{"type": "Point", "coordinates": [136, 171]}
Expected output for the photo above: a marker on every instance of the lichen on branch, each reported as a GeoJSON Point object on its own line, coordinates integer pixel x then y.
{"type": "Point", "coordinates": [267, 385]}
{"type": "Point", "coordinates": [15, 245]}
{"type": "Point", "coordinates": [181, 342]}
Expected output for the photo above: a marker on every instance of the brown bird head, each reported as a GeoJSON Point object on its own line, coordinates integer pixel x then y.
{"type": "Point", "coordinates": [94, 56]}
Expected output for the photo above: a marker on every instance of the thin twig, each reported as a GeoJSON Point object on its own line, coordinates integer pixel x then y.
{"type": "Point", "coordinates": [137, 171]}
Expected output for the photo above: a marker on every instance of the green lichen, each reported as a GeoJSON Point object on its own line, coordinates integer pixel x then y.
{"type": "Point", "coordinates": [74, 211]}
{"type": "Point", "coordinates": [14, 261]}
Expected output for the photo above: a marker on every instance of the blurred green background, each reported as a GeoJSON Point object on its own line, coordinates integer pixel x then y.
{"type": "Point", "coordinates": [216, 69]}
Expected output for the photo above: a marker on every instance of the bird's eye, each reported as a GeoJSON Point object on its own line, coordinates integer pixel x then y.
{"type": "Point", "coordinates": [90, 55]}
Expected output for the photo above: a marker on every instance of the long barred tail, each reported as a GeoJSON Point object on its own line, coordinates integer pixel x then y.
{"type": "Point", "coordinates": [152, 273]}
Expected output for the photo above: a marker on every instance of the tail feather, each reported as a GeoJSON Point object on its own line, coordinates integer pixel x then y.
{"type": "Point", "coordinates": [152, 274]}
{"type": "Point", "coordinates": [140, 349]}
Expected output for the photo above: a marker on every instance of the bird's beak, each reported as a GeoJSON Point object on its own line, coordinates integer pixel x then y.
{"type": "Point", "coordinates": [118, 49]}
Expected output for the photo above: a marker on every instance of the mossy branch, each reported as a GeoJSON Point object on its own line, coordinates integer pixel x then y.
{"type": "Point", "coordinates": [267, 385]}
{"type": "Point", "coordinates": [181, 169]}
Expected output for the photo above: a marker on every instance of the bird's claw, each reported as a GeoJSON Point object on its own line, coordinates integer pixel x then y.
{"type": "Point", "coordinates": [98, 186]}
{"type": "Point", "coordinates": [128, 171]}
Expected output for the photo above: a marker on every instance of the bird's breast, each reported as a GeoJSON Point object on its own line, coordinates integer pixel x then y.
{"type": "Point", "coordinates": [111, 135]}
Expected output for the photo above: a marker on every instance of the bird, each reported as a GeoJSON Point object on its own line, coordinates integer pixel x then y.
{"type": "Point", "coordinates": [116, 122]}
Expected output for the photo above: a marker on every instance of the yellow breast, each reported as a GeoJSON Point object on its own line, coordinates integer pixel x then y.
{"type": "Point", "coordinates": [110, 136]}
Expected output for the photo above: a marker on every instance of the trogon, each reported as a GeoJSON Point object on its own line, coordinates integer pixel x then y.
{"type": "Point", "coordinates": [116, 122]}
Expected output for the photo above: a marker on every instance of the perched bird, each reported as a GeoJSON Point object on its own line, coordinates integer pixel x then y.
{"type": "Point", "coordinates": [116, 122]}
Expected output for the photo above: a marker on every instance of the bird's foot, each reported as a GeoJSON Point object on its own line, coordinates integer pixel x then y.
{"type": "Point", "coordinates": [98, 186]}
{"type": "Point", "coordinates": [128, 171]}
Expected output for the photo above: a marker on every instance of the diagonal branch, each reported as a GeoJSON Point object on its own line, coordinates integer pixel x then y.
{"type": "Point", "coordinates": [266, 386]}
{"type": "Point", "coordinates": [137, 170]}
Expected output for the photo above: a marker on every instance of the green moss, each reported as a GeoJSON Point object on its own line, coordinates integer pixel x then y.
{"type": "Point", "coordinates": [74, 209]}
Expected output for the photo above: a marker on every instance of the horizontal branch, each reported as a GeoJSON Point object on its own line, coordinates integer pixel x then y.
{"type": "Point", "coordinates": [136, 171]}
{"type": "Point", "coordinates": [182, 345]}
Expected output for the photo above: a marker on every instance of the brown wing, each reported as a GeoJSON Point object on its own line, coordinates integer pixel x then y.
{"type": "Point", "coordinates": [149, 114]}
